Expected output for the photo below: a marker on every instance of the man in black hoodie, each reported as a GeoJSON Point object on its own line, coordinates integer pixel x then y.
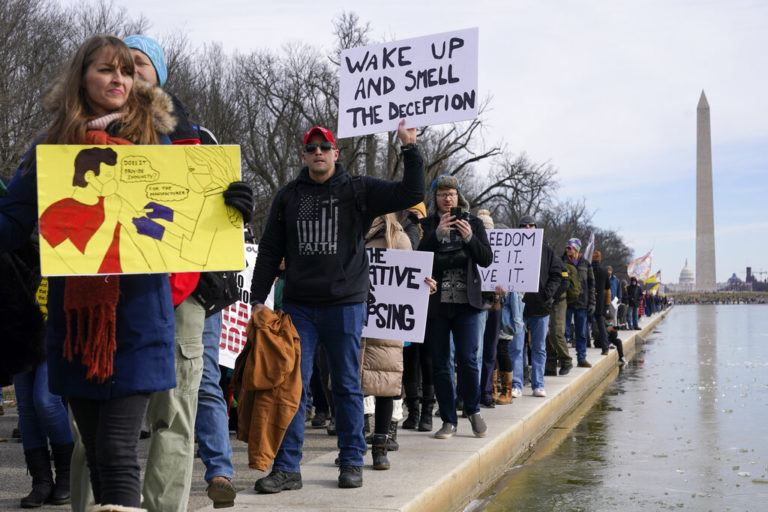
{"type": "Point", "coordinates": [538, 306]}
{"type": "Point", "coordinates": [317, 223]}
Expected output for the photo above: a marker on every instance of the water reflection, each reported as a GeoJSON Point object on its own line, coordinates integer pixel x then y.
{"type": "Point", "coordinates": [681, 428]}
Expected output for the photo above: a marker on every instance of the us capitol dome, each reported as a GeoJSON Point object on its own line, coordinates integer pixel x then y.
{"type": "Point", "coordinates": [686, 275]}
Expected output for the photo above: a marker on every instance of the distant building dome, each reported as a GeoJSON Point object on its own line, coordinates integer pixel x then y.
{"type": "Point", "coordinates": [686, 275]}
{"type": "Point", "coordinates": [734, 279]}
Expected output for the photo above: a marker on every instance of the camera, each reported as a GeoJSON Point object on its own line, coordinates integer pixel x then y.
{"type": "Point", "coordinates": [459, 214]}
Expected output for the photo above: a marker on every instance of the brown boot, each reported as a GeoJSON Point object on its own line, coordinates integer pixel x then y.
{"type": "Point", "coordinates": [495, 385]}
{"type": "Point", "coordinates": [505, 397]}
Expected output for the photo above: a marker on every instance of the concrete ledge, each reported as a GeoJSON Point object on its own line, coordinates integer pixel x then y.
{"type": "Point", "coordinates": [431, 474]}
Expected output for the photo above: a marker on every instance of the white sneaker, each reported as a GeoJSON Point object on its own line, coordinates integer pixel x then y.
{"type": "Point", "coordinates": [539, 392]}
{"type": "Point", "coordinates": [517, 392]}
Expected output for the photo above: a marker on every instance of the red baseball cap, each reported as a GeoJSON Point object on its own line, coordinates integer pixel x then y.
{"type": "Point", "coordinates": [319, 130]}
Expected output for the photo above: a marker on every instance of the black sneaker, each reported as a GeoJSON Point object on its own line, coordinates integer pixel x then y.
{"type": "Point", "coordinates": [565, 369]}
{"type": "Point", "coordinates": [331, 428]}
{"type": "Point", "coordinates": [319, 420]}
{"type": "Point", "coordinates": [350, 477]}
{"type": "Point", "coordinates": [277, 481]}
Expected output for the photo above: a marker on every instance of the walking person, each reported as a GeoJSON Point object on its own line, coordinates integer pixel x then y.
{"type": "Point", "coordinates": [538, 306]}
{"type": "Point", "coordinates": [97, 101]}
{"type": "Point", "coordinates": [459, 243]}
{"type": "Point", "coordinates": [318, 223]}
{"type": "Point", "coordinates": [634, 299]}
{"type": "Point", "coordinates": [172, 415]}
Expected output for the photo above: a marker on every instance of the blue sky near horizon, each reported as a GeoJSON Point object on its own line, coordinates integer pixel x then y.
{"type": "Point", "coordinates": [606, 92]}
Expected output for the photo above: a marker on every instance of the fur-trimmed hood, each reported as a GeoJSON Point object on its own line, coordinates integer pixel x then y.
{"type": "Point", "coordinates": [159, 102]}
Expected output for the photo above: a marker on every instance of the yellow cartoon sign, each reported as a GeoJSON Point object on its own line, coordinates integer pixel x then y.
{"type": "Point", "coordinates": [137, 209]}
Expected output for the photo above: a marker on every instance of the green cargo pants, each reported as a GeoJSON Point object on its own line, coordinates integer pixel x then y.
{"type": "Point", "coordinates": [557, 347]}
{"type": "Point", "coordinates": [171, 417]}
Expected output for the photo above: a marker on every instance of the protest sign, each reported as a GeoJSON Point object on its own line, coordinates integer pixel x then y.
{"type": "Point", "coordinates": [516, 260]}
{"type": "Point", "coordinates": [398, 296]}
{"type": "Point", "coordinates": [429, 80]}
{"type": "Point", "coordinates": [137, 209]}
{"type": "Point", "coordinates": [234, 318]}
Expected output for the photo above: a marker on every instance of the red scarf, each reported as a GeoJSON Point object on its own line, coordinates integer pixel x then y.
{"type": "Point", "coordinates": [90, 302]}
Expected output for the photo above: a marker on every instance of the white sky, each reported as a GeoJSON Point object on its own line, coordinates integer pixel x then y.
{"type": "Point", "coordinates": [605, 91]}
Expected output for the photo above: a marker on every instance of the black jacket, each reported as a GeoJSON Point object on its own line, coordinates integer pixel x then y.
{"type": "Point", "coordinates": [634, 295]}
{"type": "Point", "coordinates": [477, 249]}
{"type": "Point", "coordinates": [601, 284]}
{"type": "Point", "coordinates": [550, 272]}
{"type": "Point", "coordinates": [319, 229]}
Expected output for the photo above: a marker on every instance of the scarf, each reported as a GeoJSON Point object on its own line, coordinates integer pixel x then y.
{"type": "Point", "coordinates": [90, 302]}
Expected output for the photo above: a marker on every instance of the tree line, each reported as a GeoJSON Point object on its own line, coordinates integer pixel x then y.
{"type": "Point", "coordinates": [265, 100]}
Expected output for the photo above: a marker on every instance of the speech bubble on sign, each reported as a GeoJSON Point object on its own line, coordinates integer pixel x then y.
{"type": "Point", "coordinates": [136, 169]}
{"type": "Point", "coordinates": [166, 192]}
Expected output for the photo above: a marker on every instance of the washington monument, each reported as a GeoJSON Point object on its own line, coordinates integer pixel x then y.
{"type": "Point", "coordinates": [705, 223]}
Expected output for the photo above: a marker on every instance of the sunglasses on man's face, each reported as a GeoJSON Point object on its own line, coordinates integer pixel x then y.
{"type": "Point", "coordinates": [324, 146]}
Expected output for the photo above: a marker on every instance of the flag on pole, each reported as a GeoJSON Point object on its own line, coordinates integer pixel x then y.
{"type": "Point", "coordinates": [590, 249]}
{"type": "Point", "coordinates": [641, 267]}
{"type": "Point", "coordinates": [650, 283]}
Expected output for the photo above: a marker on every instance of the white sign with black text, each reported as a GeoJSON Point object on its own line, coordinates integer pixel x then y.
{"type": "Point", "coordinates": [398, 296]}
{"type": "Point", "coordinates": [235, 318]}
{"type": "Point", "coordinates": [428, 80]}
{"type": "Point", "coordinates": [516, 260]}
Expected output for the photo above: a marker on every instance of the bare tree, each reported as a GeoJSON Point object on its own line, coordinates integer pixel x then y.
{"type": "Point", "coordinates": [101, 17]}
{"type": "Point", "coordinates": [30, 49]}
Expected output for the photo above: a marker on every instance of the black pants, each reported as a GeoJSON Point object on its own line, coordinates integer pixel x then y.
{"type": "Point", "coordinates": [110, 433]}
{"type": "Point", "coordinates": [502, 356]}
{"type": "Point", "coordinates": [417, 373]}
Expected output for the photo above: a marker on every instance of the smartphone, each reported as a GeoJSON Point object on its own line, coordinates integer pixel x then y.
{"type": "Point", "coordinates": [456, 212]}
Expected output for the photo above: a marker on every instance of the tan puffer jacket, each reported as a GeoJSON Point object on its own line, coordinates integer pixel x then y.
{"type": "Point", "coordinates": [381, 369]}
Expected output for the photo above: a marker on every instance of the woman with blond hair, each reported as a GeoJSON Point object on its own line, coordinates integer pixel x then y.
{"type": "Point", "coordinates": [109, 338]}
{"type": "Point", "coordinates": [381, 371]}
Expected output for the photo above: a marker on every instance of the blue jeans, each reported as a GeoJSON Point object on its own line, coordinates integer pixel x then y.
{"type": "Point", "coordinates": [211, 422]}
{"type": "Point", "coordinates": [580, 336]}
{"type": "Point", "coordinates": [338, 330]}
{"type": "Point", "coordinates": [517, 355]}
{"type": "Point", "coordinates": [461, 321]}
{"type": "Point", "coordinates": [42, 415]}
{"type": "Point", "coordinates": [633, 316]}
{"type": "Point", "coordinates": [482, 319]}
{"type": "Point", "coordinates": [538, 326]}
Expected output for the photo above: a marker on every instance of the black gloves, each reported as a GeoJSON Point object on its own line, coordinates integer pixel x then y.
{"type": "Point", "coordinates": [239, 195]}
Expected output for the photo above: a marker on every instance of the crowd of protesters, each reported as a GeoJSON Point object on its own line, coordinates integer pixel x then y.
{"type": "Point", "coordinates": [140, 351]}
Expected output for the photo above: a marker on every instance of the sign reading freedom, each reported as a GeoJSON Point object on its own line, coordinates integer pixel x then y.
{"type": "Point", "coordinates": [429, 80]}
{"type": "Point", "coordinates": [516, 260]}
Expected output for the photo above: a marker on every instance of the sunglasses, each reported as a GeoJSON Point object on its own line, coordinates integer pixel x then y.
{"type": "Point", "coordinates": [324, 146]}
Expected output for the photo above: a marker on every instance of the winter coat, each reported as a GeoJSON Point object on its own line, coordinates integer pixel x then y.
{"type": "Point", "coordinates": [268, 375]}
{"type": "Point", "coordinates": [538, 304]}
{"type": "Point", "coordinates": [144, 357]}
{"type": "Point", "coordinates": [634, 295]}
{"type": "Point", "coordinates": [319, 229]}
{"type": "Point", "coordinates": [477, 250]}
{"type": "Point", "coordinates": [381, 368]}
{"type": "Point", "coordinates": [602, 287]}
{"type": "Point", "coordinates": [411, 227]}
{"type": "Point", "coordinates": [587, 278]}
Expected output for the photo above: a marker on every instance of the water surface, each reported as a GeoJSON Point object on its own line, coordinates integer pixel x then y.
{"type": "Point", "coordinates": [683, 427]}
